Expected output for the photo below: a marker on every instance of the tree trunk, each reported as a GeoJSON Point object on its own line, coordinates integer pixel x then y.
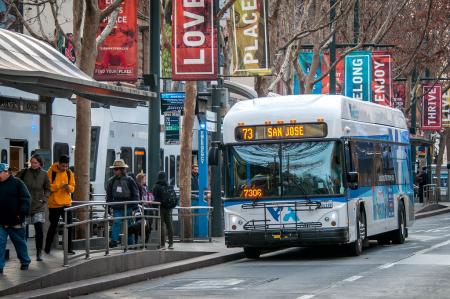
{"type": "Point", "coordinates": [186, 156]}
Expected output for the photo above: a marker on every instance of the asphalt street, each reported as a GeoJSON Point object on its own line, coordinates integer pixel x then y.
{"type": "Point", "coordinates": [420, 268]}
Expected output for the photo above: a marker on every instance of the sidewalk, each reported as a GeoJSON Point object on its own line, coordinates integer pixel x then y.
{"type": "Point", "coordinates": [49, 279]}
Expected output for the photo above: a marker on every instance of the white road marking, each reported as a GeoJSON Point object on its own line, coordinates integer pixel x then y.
{"type": "Point", "coordinates": [305, 297]}
{"type": "Point", "coordinates": [432, 247]}
{"type": "Point", "coordinates": [352, 278]}
{"type": "Point", "coordinates": [210, 284]}
{"type": "Point", "coordinates": [386, 266]}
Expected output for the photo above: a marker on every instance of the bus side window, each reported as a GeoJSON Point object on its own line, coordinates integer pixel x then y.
{"type": "Point", "coordinates": [140, 160]}
{"type": "Point", "coordinates": [127, 155]}
{"type": "Point", "coordinates": [4, 156]}
{"type": "Point", "coordinates": [110, 157]}
{"type": "Point", "coordinates": [60, 149]}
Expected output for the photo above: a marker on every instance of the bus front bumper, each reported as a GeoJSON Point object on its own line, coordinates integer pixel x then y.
{"type": "Point", "coordinates": [287, 238]}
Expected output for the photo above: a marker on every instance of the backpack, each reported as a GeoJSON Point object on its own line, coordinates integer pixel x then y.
{"type": "Point", "coordinates": [54, 176]}
{"type": "Point", "coordinates": [169, 199]}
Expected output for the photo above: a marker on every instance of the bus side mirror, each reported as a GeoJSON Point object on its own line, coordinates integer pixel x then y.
{"type": "Point", "coordinates": [352, 179]}
{"type": "Point", "coordinates": [213, 156]}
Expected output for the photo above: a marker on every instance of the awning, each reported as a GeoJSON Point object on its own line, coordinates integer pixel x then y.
{"type": "Point", "coordinates": [34, 66]}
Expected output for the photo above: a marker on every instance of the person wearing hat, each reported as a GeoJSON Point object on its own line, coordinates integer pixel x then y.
{"type": "Point", "coordinates": [120, 188]}
{"type": "Point", "coordinates": [14, 207]}
{"type": "Point", "coordinates": [62, 185]}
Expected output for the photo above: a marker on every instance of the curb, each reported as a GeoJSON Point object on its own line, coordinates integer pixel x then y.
{"type": "Point", "coordinates": [125, 278]}
{"type": "Point", "coordinates": [432, 213]}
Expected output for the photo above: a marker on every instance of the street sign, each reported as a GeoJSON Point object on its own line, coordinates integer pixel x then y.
{"type": "Point", "coordinates": [172, 129]}
{"type": "Point", "coordinates": [211, 126]}
{"type": "Point", "coordinates": [172, 102]}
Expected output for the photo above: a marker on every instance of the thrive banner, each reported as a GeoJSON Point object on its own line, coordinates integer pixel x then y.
{"type": "Point", "coordinates": [117, 55]}
{"type": "Point", "coordinates": [305, 60]}
{"type": "Point", "coordinates": [381, 81]}
{"type": "Point", "coordinates": [194, 51]}
{"type": "Point", "coordinates": [358, 75]}
{"type": "Point", "coordinates": [431, 105]}
{"type": "Point", "coordinates": [339, 74]}
{"type": "Point", "coordinates": [399, 96]}
{"type": "Point", "coordinates": [251, 54]}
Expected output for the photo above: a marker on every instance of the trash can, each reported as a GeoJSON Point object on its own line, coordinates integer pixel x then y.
{"type": "Point", "coordinates": [200, 218]}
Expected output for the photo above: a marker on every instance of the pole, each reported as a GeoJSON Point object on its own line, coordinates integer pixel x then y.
{"type": "Point", "coordinates": [155, 104]}
{"type": "Point", "coordinates": [356, 22]}
{"type": "Point", "coordinates": [332, 49]}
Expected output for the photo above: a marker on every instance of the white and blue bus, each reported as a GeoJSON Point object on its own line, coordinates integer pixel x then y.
{"type": "Point", "coordinates": [314, 170]}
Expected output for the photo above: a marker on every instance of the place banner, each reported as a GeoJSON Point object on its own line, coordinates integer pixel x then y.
{"type": "Point", "coordinates": [250, 38]}
{"type": "Point", "coordinates": [194, 51]}
{"type": "Point", "coordinates": [432, 107]}
{"type": "Point", "coordinates": [117, 54]}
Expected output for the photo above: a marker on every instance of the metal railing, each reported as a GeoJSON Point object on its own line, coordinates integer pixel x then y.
{"type": "Point", "coordinates": [431, 194]}
{"type": "Point", "coordinates": [150, 211]}
{"type": "Point", "coordinates": [193, 214]}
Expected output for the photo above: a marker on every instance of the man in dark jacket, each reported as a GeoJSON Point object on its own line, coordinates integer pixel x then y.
{"type": "Point", "coordinates": [14, 207]}
{"type": "Point", "coordinates": [159, 192]}
{"type": "Point", "coordinates": [121, 188]}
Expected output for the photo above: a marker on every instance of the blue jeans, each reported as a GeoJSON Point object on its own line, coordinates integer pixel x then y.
{"type": "Point", "coordinates": [117, 224]}
{"type": "Point", "coordinates": [17, 236]}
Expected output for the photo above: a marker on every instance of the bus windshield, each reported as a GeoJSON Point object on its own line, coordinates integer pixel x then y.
{"type": "Point", "coordinates": [284, 170]}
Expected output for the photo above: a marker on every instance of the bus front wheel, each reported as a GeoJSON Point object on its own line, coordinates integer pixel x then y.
{"type": "Point", "coordinates": [356, 247]}
{"type": "Point", "coordinates": [399, 235]}
{"type": "Point", "coordinates": [252, 252]}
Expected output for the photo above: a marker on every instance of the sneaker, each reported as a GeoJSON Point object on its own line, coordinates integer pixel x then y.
{"type": "Point", "coordinates": [47, 250]}
{"type": "Point", "coordinates": [39, 256]}
{"type": "Point", "coordinates": [23, 267]}
{"type": "Point", "coordinates": [170, 246]}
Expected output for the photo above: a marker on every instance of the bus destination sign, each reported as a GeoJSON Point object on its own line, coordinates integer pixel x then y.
{"type": "Point", "coordinates": [281, 131]}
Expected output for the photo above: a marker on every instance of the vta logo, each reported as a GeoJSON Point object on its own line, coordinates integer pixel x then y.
{"type": "Point", "coordinates": [276, 213]}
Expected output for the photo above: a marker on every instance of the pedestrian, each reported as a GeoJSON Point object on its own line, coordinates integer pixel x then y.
{"type": "Point", "coordinates": [160, 194]}
{"type": "Point", "coordinates": [62, 185]}
{"type": "Point", "coordinates": [144, 196]}
{"type": "Point", "coordinates": [14, 207]}
{"type": "Point", "coordinates": [421, 180]}
{"type": "Point", "coordinates": [120, 188]}
{"type": "Point", "coordinates": [38, 184]}
{"type": "Point", "coordinates": [194, 177]}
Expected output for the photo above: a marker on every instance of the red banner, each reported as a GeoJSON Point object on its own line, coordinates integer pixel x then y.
{"type": "Point", "coordinates": [194, 51]}
{"type": "Point", "coordinates": [339, 74]}
{"type": "Point", "coordinates": [381, 78]}
{"type": "Point", "coordinates": [432, 108]}
{"type": "Point", "coordinates": [117, 55]}
{"type": "Point", "coordinates": [399, 96]}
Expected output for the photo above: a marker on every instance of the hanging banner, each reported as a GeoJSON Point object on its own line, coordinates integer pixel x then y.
{"type": "Point", "coordinates": [399, 96]}
{"type": "Point", "coordinates": [381, 80]}
{"type": "Point", "coordinates": [358, 75]}
{"type": "Point", "coordinates": [250, 49]}
{"type": "Point", "coordinates": [431, 107]}
{"type": "Point", "coordinates": [194, 51]}
{"type": "Point", "coordinates": [445, 109]}
{"type": "Point", "coordinates": [117, 54]}
{"type": "Point", "coordinates": [305, 60]}
{"type": "Point", "coordinates": [339, 74]}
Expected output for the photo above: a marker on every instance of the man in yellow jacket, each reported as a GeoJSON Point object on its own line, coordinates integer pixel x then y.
{"type": "Point", "coordinates": [62, 185]}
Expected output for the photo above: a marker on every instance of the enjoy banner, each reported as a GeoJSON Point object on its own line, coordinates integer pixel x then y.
{"type": "Point", "coordinates": [381, 79]}
{"type": "Point", "coordinates": [358, 75]}
{"type": "Point", "coordinates": [194, 51]}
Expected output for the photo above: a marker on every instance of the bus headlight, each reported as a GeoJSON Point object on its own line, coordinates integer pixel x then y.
{"type": "Point", "coordinates": [235, 221]}
{"type": "Point", "coordinates": [330, 218]}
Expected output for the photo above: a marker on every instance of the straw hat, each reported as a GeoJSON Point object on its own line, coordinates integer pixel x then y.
{"type": "Point", "coordinates": [120, 163]}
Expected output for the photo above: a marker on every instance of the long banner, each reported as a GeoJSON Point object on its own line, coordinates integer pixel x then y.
{"type": "Point", "coordinates": [358, 75]}
{"type": "Point", "coordinates": [250, 38]}
{"type": "Point", "coordinates": [381, 81]}
{"type": "Point", "coordinates": [194, 51]}
{"type": "Point", "coordinates": [432, 108]}
{"type": "Point", "coordinates": [117, 55]}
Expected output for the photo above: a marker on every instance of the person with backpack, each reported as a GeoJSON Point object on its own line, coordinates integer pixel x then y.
{"type": "Point", "coordinates": [38, 185]}
{"type": "Point", "coordinates": [62, 185]}
{"type": "Point", "coordinates": [120, 188]}
{"type": "Point", "coordinates": [14, 207]}
{"type": "Point", "coordinates": [165, 194]}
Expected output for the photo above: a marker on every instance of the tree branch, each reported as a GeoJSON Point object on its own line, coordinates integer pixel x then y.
{"type": "Point", "coordinates": [108, 28]}
{"type": "Point", "coordinates": [224, 9]}
{"type": "Point", "coordinates": [109, 9]}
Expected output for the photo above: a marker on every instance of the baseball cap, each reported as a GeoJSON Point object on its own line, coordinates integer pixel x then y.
{"type": "Point", "coordinates": [4, 167]}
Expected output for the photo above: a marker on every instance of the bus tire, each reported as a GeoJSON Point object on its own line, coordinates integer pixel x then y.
{"type": "Point", "coordinates": [356, 247]}
{"type": "Point", "coordinates": [252, 252]}
{"type": "Point", "coordinates": [399, 235]}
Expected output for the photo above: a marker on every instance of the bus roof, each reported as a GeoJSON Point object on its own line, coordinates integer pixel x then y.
{"type": "Point", "coordinates": [344, 116]}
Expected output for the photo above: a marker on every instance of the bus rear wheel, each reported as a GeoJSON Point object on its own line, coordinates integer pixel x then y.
{"type": "Point", "coordinates": [252, 252]}
{"type": "Point", "coordinates": [399, 235]}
